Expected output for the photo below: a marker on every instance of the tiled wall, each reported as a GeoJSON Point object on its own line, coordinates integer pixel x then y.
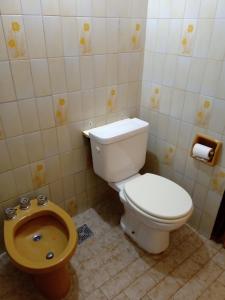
{"type": "Point", "coordinates": [65, 65]}
{"type": "Point", "coordinates": [183, 93]}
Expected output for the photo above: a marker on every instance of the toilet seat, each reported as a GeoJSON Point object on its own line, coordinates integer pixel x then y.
{"type": "Point", "coordinates": [158, 197]}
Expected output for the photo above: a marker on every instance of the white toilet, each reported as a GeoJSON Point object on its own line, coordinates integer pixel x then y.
{"type": "Point", "coordinates": [154, 205]}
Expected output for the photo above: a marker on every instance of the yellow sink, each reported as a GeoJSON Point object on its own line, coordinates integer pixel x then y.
{"type": "Point", "coordinates": [40, 240]}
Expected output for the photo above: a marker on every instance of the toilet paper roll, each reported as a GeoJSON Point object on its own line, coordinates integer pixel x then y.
{"type": "Point", "coordinates": [202, 152]}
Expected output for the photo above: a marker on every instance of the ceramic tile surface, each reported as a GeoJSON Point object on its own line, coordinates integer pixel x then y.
{"type": "Point", "coordinates": [65, 66]}
{"type": "Point", "coordinates": [110, 266]}
{"type": "Point", "coordinates": [183, 94]}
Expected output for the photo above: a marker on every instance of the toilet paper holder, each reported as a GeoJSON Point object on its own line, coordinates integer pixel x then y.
{"type": "Point", "coordinates": [209, 142]}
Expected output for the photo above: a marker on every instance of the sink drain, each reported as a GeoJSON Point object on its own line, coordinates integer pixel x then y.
{"type": "Point", "coordinates": [37, 237]}
{"type": "Point", "coordinates": [49, 255]}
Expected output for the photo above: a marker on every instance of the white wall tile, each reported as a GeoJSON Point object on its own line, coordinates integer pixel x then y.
{"type": "Point", "coordinates": [6, 83]}
{"type": "Point", "coordinates": [99, 35]}
{"type": "Point", "coordinates": [221, 84]}
{"type": "Point", "coordinates": [68, 7]}
{"type": "Point", "coordinates": [84, 8]}
{"type": "Point", "coordinates": [23, 180]}
{"type": "Point", "coordinates": [169, 70]}
{"type": "Point", "coordinates": [45, 112]}
{"type": "Point", "coordinates": [17, 151]}
{"type": "Point", "coordinates": [29, 115]}
{"type": "Point", "coordinates": [7, 186]}
{"type": "Point", "coordinates": [53, 36]}
{"type": "Point", "coordinates": [31, 7]}
{"type": "Point", "coordinates": [5, 162]}
{"type": "Point", "coordinates": [87, 79]}
{"type": "Point", "coordinates": [11, 119]}
{"type": "Point", "coordinates": [50, 142]}
{"type": "Point", "coordinates": [111, 69]}
{"type": "Point", "coordinates": [192, 9]}
{"type": "Point", "coordinates": [215, 51]}
{"type": "Point", "coordinates": [182, 71]}
{"type": "Point", "coordinates": [21, 72]}
{"type": "Point", "coordinates": [174, 35]}
{"type": "Point", "coordinates": [64, 140]}
{"type": "Point", "coordinates": [203, 38]}
{"type": "Point", "coordinates": [211, 77]}
{"type": "Point", "coordinates": [72, 69]}
{"type": "Point", "coordinates": [75, 112]}
{"type": "Point", "coordinates": [112, 36]}
{"type": "Point", "coordinates": [220, 13]}
{"type": "Point", "coordinates": [57, 75]}
{"type": "Point", "coordinates": [35, 36]}
{"type": "Point", "coordinates": [99, 8]}
{"type": "Point", "coordinates": [40, 74]}
{"type": "Point", "coordinates": [123, 63]}
{"type": "Point", "coordinates": [52, 168]}
{"type": "Point", "coordinates": [208, 9]}
{"type": "Point", "coordinates": [195, 78]}
{"type": "Point", "coordinates": [88, 104]}
{"type": "Point", "coordinates": [3, 49]}
{"type": "Point", "coordinates": [70, 36]}
{"type": "Point", "coordinates": [99, 62]}
{"type": "Point", "coordinates": [49, 7]}
{"type": "Point", "coordinates": [10, 7]}
{"type": "Point", "coordinates": [34, 147]}
{"type": "Point", "coordinates": [177, 8]}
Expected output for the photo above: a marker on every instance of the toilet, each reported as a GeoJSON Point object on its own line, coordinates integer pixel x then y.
{"type": "Point", "coordinates": [154, 206]}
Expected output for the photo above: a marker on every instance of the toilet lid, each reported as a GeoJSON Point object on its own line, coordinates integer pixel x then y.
{"type": "Point", "coordinates": [158, 196]}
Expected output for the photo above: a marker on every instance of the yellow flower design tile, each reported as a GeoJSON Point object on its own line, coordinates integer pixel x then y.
{"type": "Point", "coordinates": [136, 36]}
{"type": "Point", "coordinates": [218, 182]}
{"type": "Point", "coordinates": [38, 175]}
{"type": "Point", "coordinates": [61, 109]}
{"type": "Point", "coordinates": [169, 155]}
{"type": "Point", "coordinates": [85, 38]}
{"type": "Point", "coordinates": [187, 39]}
{"type": "Point", "coordinates": [155, 98]}
{"type": "Point", "coordinates": [111, 101]}
{"type": "Point", "coordinates": [15, 37]}
{"type": "Point", "coordinates": [204, 112]}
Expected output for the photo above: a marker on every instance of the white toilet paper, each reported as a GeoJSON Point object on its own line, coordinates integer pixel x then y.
{"type": "Point", "coordinates": [202, 151]}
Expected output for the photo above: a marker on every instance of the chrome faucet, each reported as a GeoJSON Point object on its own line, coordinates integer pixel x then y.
{"type": "Point", "coordinates": [42, 200]}
{"type": "Point", "coordinates": [24, 202]}
{"type": "Point", "coordinates": [10, 212]}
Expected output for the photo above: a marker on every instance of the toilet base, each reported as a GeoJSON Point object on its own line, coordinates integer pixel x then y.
{"type": "Point", "coordinates": [54, 285]}
{"type": "Point", "coordinates": [150, 239]}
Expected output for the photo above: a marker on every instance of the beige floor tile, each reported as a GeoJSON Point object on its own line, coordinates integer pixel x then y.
{"type": "Point", "coordinates": [97, 295]}
{"type": "Point", "coordinates": [208, 274]}
{"type": "Point", "coordinates": [221, 278]}
{"type": "Point", "coordinates": [140, 286]}
{"type": "Point", "coordinates": [116, 285]}
{"type": "Point", "coordinates": [121, 296]}
{"type": "Point", "coordinates": [165, 289]}
{"type": "Point", "coordinates": [185, 271]}
{"type": "Point", "coordinates": [190, 291]}
{"type": "Point", "coordinates": [110, 266]}
{"type": "Point", "coordinates": [215, 292]}
{"type": "Point", "coordinates": [203, 255]}
{"type": "Point", "coordinates": [219, 258]}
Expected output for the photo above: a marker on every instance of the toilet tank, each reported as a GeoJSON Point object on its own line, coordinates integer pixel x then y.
{"type": "Point", "coordinates": [119, 149]}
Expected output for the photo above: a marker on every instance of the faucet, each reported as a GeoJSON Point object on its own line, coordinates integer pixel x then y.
{"type": "Point", "coordinates": [10, 212]}
{"type": "Point", "coordinates": [42, 200]}
{"type": "Point", "coordinates": [24, 202]}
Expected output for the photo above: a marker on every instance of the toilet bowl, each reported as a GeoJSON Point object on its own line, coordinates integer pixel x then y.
{"type": "Point", "coordinates": [40, 240]}
{"type": "Point", "coordinates": [154, 206]}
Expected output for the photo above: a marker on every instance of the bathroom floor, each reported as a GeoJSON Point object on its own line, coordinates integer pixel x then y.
{"type": "Point", "coordinates": [109, 265]}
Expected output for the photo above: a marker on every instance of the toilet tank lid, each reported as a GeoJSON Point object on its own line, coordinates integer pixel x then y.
{"type": "Point", "coordinates": [117, 131]}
